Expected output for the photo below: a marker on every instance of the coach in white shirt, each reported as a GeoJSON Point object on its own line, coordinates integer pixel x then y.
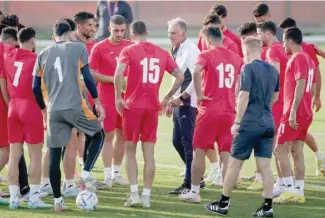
{"type": "Point", "coordinates": [185, 52]}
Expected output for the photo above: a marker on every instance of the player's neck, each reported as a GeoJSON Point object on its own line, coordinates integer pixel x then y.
{"type": "Point", "coordinates": [216, 44]}
{"type": "Point", "coordinates": [254, 57]}
{"type": "Point", "coordinates": [140, 39]}
{"type": "Point", "coordinates": [272, 41]}
{"type": "Point", "coordinates": [26, 47]}
{"type": "Point", "coordinates": [224, 28]}
{"type": "Point", "coordinates": [296, 49]}
{"type": "Point", "coordinates": [112, 41]}
{"type": "Point", "coordinates": [82, 38]}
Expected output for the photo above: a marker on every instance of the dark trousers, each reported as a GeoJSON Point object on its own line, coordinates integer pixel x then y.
{"type": "Point", "coordinates": [23, 176]}
{"type": "Point", "coordinates": [184, 123]}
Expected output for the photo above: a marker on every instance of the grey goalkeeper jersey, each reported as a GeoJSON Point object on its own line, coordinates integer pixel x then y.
{"type": "Point", "coordinates": [60, 66]}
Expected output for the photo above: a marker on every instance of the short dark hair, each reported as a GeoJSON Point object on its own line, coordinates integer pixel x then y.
{"type": "Point", "coordinates": [117, 20]}
{"type": "Point", "coordinates": [247, 29]}
{"type": "Point", "coordinates": [71, 23]}
{"type": "Point", "coordinates": [21, 26]}
{"type": "Point", "coordinates": [61, 27]}
{"type": "Point", "coordinates": [260, 9]}
{"type": "Point", "coordinates": [293, 34]}
{"type": "Point", "coordinates": [220, 10]}
{"type": "Point", "coordinates": [287, 23]}
{"type": "Point", "coordinates": [138, 27]}
{"type": "Point", "coordinates": [11, 20]}
{"type": "Point", "coordinates": [213, 32]}
{"type": "Point", "coordinates": [26, 34]}
{"type": "Point", "coordinates": [211, 18]}
{"type": "Point", "coordinates": [268, 26]}
{"type": "Point", "coordinates": [9, 33]}
{"type": "Point", "coordinates": [83, 16]}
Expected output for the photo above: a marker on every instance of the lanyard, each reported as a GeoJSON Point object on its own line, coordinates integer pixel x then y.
{"type": "Point", "coordinates": [115, 9]}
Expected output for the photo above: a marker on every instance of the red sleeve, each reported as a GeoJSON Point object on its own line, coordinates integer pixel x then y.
{"type": "Point", "coordinates": [271, 55]}
{"type": "Point", "coordinates": [300, 67]}
{"type": "Point", "coordinates": [170, 64]}
{"type": "Point", "coordinates": [199, 44]}
{"type": "Point", "coordinates": [233, 47]}
{"type": "Point", "coordinates": [263, 53]}
{"type": "Point", "coordinates": [94, 58]}
{"type": "Point", "coordinates": [124, 56]}
{"type": "Point", "coordinates": [201, 60]}
{"type": "Point", "coordinates": [312, 54]}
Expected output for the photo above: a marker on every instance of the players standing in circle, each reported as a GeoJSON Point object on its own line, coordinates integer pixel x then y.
{"type": "Point", "coordinates": [103, 61]}
{"type": "Point", "coordinates": [253, 128]}
{"type": "Point", "coordinates": [146, 64]}
{"type": "Point", "coordinates": [57, 70]}
{"type": "Point", "coordinates": [299, 93]}
{"type": "Point", "coordinates": [215, 77]}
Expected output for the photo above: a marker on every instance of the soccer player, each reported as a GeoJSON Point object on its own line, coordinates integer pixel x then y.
{"type": "Point", "coordinates": [103, 61]}
{"type": "Point", "coordinates": [214, 20]}
{"type": "Point", "coordinates": [299, 92]}
{"type": "Point", "coordinates": [247, 29]}
{"type": "Point", "coordinates": [276, 56]}
{"type": "Point", "coordinates": [310, 140]}
{"type": "Point", "coordinates": [253, 127]}
{"type": "Point", "coordinates": [73, 27]}
{"type": "Point", "coordinates": [216, 70]}
{"type": "Point", "coordinates": [222, 13]}
{"type": "Point", "coordinates": [25, 122]}
{"type": "Point", "coordinates": [57, 70]}
{"type": "Point", "coordinates": [262, 13]}
{"type": "Point", "coordinates": [146, 64]}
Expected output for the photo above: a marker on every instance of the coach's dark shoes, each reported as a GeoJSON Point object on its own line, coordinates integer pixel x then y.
{"type": "Point", "coordinates": [202, 184]}
{"type": "Point", "coordinates": [263, 213]}
{"type": "Point", "coordinates": [217, 207]}
{"type": "Point", "coordinates": [183, 189]}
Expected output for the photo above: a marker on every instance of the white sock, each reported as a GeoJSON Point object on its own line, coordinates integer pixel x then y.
{"type": "Point", "coordinates": [45, 181]}
{"type": "Point", "coordinates": [300, 185]}
{"type": "Point", "coordinates": [85, 174]}
{"type": "Point", "coordinates": [117, 170]}
{"type": "Point", "coordinates": [289, 184]}
{"type": "Point", "coordinates": [68, 182]}
{"type": "Point", "coordinates": [134, 188]}
{"type": "Point", "coordinates": [58, 200]}
{"type": "Point", "coordinates": [14, 192]}
{"type": "Point", "coordinates": [134, 191]}
{"type": "Point", "coordinates": [195, 188]}
{"type": "Point", "coordinates": [81, 160]}
{"type": "Point", "coordinates": [281, 182]}
{"type": "Point", "coordinates": [146, 192]}
{"type": "Point", "coordinates": [258, 177]}
{"type": "Point", "coordinates": [33, 196]}
{"type": "Point", "coordinates": [319, 155]}
{"type": "Point", "coordinates": [108, 172]}
{"type": "Point", "coordinates": [214, 166]}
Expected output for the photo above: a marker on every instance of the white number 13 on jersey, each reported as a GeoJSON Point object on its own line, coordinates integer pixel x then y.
{"type": "Point", "coordinates": [230, 70]}
{"type": "Point", "coordinates": [152, 66]}
{"type": "Point", "coordinates": [57, 66]}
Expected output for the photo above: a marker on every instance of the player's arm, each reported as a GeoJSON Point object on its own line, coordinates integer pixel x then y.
{"type": "Point", "coordinates": [318, 83]}
{"type": "Point", "coordinates": [319, 51]}
{"type": "Point", "coordinates": [98, 77]}
{"type": "Point", "coordinates": [89, 82]}
{"type": "Point", "coordinates": [94, 61]}
{"type": "Point", "coordinates": [3, 87]}
{"type": "Point", "coordinates": [197, 80]}
{"type": "Point", "coordinates": [273, 58]}
{"type": "Point", "coordinates": [37, 84]}
{"type": "Point", "coordinates": [118, 79]}
{"type": "Point", "coordinates": [179, 78]}
{"type": "Point", "coordinates": [299, 93]}
{"type": "Point", "coordinates": [275, 95]}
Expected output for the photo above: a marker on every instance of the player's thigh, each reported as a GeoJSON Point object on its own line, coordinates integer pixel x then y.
{"type": "Point", "coordinates": [111, 119]}
{"type": "Point", "coordinates": [277, 111]}
{"type": "Point", "coordinates": [304, 124]}
{"type": "Point", "coordinates": [131, 124]}
{"type": "Point", "coordinates": [149, 126]}
{"type": "Point", "coordinates": [264, 146]}
{"type": "Point", "coordinates": [14, 125]}
{"type": "Point", "coordinates": [58, 129]}
{"type": "Point", "coordinates": [205, 132]}
{"type": "Point", "coordinates": [4, 142]}
{"type": "Point", "coordinates": [224, 136]}
{"type": "Point", "coordinates": [85, 121]}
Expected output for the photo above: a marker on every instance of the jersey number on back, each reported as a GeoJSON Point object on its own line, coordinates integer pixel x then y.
{"type": "Point", "coordinates": [223, 81]}
{"type": "Point", "coordinates": [57, 66]}
{"type": "Point", "coordinates": [152, 66]}
{"type": "Point", "coordinates": [19, 66]}
{"type": "Point", "coordinates": [310, 80]}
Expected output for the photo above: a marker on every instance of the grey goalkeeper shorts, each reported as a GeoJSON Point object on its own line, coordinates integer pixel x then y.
{"type": "Point", "coordinates": [60, 124]}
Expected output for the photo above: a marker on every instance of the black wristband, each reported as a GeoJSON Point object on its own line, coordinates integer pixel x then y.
{"type": "Point", "coordinates": [181, 98]}
{"type": "Point", "coordinates": [237, 123]}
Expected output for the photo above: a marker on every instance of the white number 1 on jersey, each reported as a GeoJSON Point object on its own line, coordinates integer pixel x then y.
{"type": "Point", "coordinates": [310, 80]}
{"type": "Point", "coordinates": [57, 66]}
{"type": "Point", "coordinates": [19, 66]}
{"type": "Point", "coordinates": [153, 76]}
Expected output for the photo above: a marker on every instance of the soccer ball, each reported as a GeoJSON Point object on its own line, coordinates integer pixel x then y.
{"type": "Point", "coordinates": [87, 200]}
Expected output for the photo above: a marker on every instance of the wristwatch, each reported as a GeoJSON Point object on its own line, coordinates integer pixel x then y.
{"type": "Point", "coordinates": [237, 123]}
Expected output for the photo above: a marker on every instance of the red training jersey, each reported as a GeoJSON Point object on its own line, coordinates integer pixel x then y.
{"type": "Point", "coordinates": [221, 69]}
{"type": "Point", "coordinates": [147, 65]}
{"type": "Point", "coordinates": [276, 53]}
{"type": "Point", "coordinates": [233, 37]}
{"type": "Point", "coordinates": [310, 50]}
{"type": "Point", "coordinates": [19, 65]}
{"type": "Point", "coordinates": [300, 66]}
{"type": "Point", "coordinates": [103, 59]}
{"type": "Point", "coordinates": [2, 75]}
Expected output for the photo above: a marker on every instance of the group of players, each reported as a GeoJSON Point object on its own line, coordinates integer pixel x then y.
{"type": "Point", "coordinates": [52, 87]}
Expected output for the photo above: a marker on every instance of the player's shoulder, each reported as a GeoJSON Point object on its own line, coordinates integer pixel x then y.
{"type": "Point", "coordinates": [127, 42]}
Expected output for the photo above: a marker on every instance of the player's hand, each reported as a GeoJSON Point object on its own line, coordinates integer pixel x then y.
{"type": "Point", "coordinates": [292, 120]}
{"type": "Point", "coordinates": [44, 112]}
{"type": "Point", "coordinates": [100, 110]}
{"type": "Point", "coordinates": [319, 51]}
{"type": "Point", "coordinates": [175, 102]}
{"type": "Point", "coordinates": [317, 104]}
{"type": "Point", "coordinates": [124, 85]}
{"type": "Point", "coordinates": [169, 111]}
{"type": "Point", "coordinates": [234, 129]}
{"type": "Point", "coordinates": [203, 98]}
{"type": "Point", "coordinates": [163, 105]}
{"type": "Point", "coordinates": [120, 104]}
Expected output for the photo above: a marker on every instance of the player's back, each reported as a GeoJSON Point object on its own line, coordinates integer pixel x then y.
{"type": "Point", "coordinates": [260, 79]}
{"type": "Point", "coordinates": [219, 78]}
{"type": "Point", "coordinates": [19, 64]}
{"type": "Point", "coordinates": [2, 102]}
{"type": "Point", "coordinates": [147, 65]}
{"type": "Point", "coordinates": [59, 66]}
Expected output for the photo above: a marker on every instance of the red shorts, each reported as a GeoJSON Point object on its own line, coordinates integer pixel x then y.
{"type": "Point", "coordinates": [140, 124]}
{"type": "Point", "coordinates": [288, 134]}
{"type": "Point", "coordinates": [210, 128]}
{"type": "Point", "coordinates": [4, 142]}
{"type": "Point", "coordinates": [25, 122]}
{"type": "Point", "coordinates": [112, 120]}
{"type": "Point", "coordinates": [277, 111]}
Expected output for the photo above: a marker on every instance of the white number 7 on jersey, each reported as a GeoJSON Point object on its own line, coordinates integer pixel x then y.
{"type": "Point", "coordinates": [19, 66]}
{"type": "Point", "coordinates": [57, 66]}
